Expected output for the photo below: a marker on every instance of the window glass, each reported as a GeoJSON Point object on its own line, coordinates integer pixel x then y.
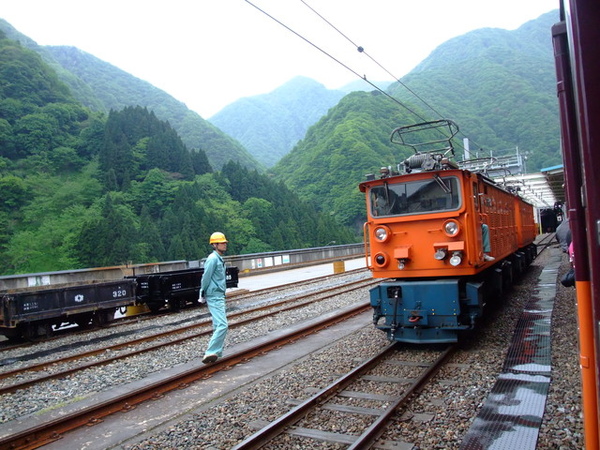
{"type": "Point", "coordinates": [416, 197]}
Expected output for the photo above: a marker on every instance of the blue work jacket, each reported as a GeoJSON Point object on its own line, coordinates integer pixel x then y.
{"type": "Point", "coordinates": [213, 282]}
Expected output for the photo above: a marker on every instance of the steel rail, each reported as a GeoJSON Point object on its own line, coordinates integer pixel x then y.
{"type": "Point", "coordinates": [371, 434]}
{"type": "Point", "coordinates": [41, 434]}
{"type": "Point", "coordinates": [275, 428]}
{"type": "Point", "coordinates": [261, 437]}
{"type": "Point", "coordinates": [71, 370]}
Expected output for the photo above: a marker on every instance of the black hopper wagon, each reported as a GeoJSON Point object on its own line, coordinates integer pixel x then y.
{"type": "Point", "coordinates": [176, 289]}
{"type": "Point", "coordinates": [34, 313]}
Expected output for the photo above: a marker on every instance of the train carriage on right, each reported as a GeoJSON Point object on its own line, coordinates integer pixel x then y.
{"type": "Point", "coordinates": [577, 60]}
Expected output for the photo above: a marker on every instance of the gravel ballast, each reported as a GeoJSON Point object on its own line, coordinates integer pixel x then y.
{"type": "Point", "coordinates": [438, 419]}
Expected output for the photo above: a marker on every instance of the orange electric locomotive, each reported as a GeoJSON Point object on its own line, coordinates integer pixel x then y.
{"type": "Point", "coordinates": [450, 239]}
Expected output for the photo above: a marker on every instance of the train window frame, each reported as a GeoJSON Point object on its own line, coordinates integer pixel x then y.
{"type": "Point", "coordinates": [421, 203]}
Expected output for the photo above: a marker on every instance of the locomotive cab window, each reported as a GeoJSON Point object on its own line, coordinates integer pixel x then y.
{"type": "Point", "coordinates": [423, 196]}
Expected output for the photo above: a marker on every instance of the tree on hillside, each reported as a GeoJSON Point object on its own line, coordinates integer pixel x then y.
{"type": "Point", "coordinates": [200, 162]}
{"type": "Point", "coordinates": [31, 80]}
{"type": "Point", "coordinates": [135, 141]}
{"type": "Point", "coordinates": [150, 238]}
{"type": "Point", "coordinates": [15, 193]}
{"type": "Point", "coordinates": [110, 237]}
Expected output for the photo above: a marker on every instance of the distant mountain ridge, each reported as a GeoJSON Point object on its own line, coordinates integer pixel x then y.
{"type": "Point", "coordinates": [102, 86]}
{"type": "Point", "coordinates": [498, 85]}
{"type": "Point", "coordinates": [531, 39]}
{"type": "Point", "coordinates": [254, 131]}
{"type": "Point", "coordinates": [269, 125]}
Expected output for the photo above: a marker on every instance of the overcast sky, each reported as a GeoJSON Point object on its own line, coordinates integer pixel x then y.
{"type": "Point", "coordinates": [209, 53]}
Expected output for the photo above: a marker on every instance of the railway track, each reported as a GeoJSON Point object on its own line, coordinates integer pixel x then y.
{"type": "Point", "coordinates": [297, 422]}
{"type": "Point", "coordinates": [233, 298]}
{"type": "Point", "coordinates": [237, 319]}
{"type": "Point", "coordinates": [43, 433]}
{"type": "Point", "coordinates": [94, 417]}
{"type": "Point", "coordinates": [546, 241]}
{"type": "Point", "coordinates": [346, 386]}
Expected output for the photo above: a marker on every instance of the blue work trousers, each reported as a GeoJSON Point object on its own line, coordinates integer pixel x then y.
{"type": "Point", "coordinates": [485, 234]}
{"type": "Point", "coordinates": [216, 306]}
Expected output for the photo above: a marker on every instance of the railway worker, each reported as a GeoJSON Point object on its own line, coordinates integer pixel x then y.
{"type": "Point", "coordinates": [212, 289]}
{"type": "Point", "coordinates": [485, 234]}
{"type": "Point", "coordinates": [568, 279]}
{"type": "Point", "coordinates": [563, 235]}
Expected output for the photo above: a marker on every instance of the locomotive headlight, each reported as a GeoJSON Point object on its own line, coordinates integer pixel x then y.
{"type": "Point", "coordinates": [401, 264]}
{"type": "Point", "coordinates": [456, 259]}
{"type": "Point", "coordinates": [380, 259]}
{"type": "Point", "coordinates": [440, 254]}
{"type": "Point", "coordinates": [451, 228]}
{"type": "Point", "coordinates": [382, 233]}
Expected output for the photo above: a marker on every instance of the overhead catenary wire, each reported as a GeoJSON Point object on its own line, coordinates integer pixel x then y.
{"type": "Point", "coordinates": [363, 77]}
{"type": "Point", "coordinates": [397, 79]}
{"type": "Point", "coordinates": [364, 52]}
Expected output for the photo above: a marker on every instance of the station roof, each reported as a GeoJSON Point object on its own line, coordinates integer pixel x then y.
{"type": "Point", "coordinates": [542, 189]}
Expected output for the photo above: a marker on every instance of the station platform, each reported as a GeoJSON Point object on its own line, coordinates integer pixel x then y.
{"type": "Point", "coordinates": [280, 277]}
{"type": "Point", "coordinates": [512, 415]}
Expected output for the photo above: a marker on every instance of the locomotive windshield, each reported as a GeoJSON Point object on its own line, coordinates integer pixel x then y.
{"type": "Point", "coordinates": [415, 197]}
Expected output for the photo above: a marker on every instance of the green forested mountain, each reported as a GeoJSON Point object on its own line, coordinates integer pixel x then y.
{"type": "Point", "coordinates": [77, 179]}
{"type": "Point", "coordinates": [84, 189]}
{"type": "Point", "coordinates": [102, 87]}
{"type": "Point", "coordinates": [497, 85]}
{"type": "Point", "coordinates": [269, 125]}
{"type": "Point", "coordinates": [339, 150]}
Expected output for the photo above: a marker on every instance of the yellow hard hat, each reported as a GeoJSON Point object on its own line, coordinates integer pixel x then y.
{"type": "Point", "coordinates": [217, 238]}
